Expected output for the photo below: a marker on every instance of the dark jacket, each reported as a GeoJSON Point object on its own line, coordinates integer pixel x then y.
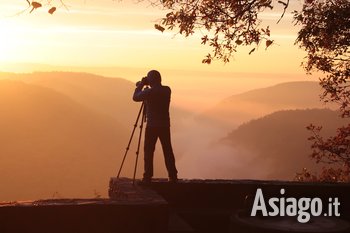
{"type": "Point", "coordinates": [157, 101]}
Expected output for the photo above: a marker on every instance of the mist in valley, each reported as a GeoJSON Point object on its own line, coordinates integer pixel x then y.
{"type": "Point", "coordinates": [64, 134]}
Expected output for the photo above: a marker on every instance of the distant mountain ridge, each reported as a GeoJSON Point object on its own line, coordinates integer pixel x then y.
{"type": "Point", "coordinates": [110, 96]}
{"type": "Point", "coordinates": [107, 95]}
{"type": "Point", "coordinates": [284, 94]}
{"type": "Point", "coordinates": [243, 107]}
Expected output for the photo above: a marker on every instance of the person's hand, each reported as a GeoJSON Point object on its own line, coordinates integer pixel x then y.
{"type": "Point", "coordinates": [139, 83]}
{"type": "Point", "coordinates": [143, 82]}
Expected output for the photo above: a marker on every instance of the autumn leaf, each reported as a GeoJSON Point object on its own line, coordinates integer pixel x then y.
{"type": "Point", "coordinates": [239, 42]}
{"type": "Point", "coordinates": [207, 59]}
{"type": "Point", "coordinates": [52, 10]}
{"type": "Point", "coordinates": [35, 5]}
{"type": "Point", "coordinates": [159, 28]}
{"type": "Point", "coordinates": [204, 39]}
{"type": "Point", "coordinates": [251, 51]}
{"type": "Point", "coordinates": [268, 43]}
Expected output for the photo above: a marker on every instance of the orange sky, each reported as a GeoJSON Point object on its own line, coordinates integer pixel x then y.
{"type": "Point", "coordinates": [121, 34]}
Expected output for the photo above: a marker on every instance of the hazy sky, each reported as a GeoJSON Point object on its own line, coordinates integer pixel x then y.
{"type": "Point", "coordinates": [121, 34]}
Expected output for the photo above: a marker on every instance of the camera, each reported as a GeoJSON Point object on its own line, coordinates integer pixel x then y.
{"type": "Point", "coordinates": [145, 81]}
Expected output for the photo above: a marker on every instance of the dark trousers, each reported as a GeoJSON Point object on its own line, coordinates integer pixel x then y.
{"type": "Point", "coordinates": [151, 136]}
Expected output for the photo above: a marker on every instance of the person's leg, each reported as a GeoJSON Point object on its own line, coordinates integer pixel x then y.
{"type": "Point", "coordinates": [149, 147]}
{"type": "Point", "coordinates": [165, 139]}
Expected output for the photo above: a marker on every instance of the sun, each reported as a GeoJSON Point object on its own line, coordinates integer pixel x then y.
{"type": "Point", "coordinates": [8, 40]}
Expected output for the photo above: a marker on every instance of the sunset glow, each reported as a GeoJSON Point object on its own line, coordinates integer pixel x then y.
{"type": "Point", "coordinates": [122, 34]}
{"type": "Point", "coordinates": [72, 84]}
{"type": "Point", "coordinates": [91, 35]}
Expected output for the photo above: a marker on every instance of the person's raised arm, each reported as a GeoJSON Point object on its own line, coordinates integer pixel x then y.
{"type": "Point", "coordinates": [139, 94]}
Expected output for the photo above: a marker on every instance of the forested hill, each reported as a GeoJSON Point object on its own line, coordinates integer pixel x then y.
{"type": "Point", "coordinates": [277, 143]}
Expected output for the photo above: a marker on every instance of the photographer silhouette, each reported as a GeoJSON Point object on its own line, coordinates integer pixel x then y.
{"type": "Point", "coordinates": [157, 101]}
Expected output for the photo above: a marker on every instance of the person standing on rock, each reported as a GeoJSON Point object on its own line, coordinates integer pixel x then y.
{"type": "Point", "coordinates": [157, 102]}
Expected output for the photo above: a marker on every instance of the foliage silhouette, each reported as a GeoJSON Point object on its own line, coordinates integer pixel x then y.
{"type": "Point", "coordinates": [51, 4]}
{"type": "Point", "coordinates": [325, 36]}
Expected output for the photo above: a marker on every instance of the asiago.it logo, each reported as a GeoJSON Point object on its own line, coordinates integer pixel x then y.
{"type": "Point", "coordinates": [303, 208]}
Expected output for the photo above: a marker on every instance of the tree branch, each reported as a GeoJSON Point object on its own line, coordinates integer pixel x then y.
{"type": "Point", "coordinates": [284, 9]}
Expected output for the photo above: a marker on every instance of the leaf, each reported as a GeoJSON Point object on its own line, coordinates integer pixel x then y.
{"type": "Point", "coordinates": [239, 42]}
{"type": "Point", "coordinates": [159, 28]}
{"type": "Point", "coordinates": [206, 61]}
{"type": "Point", "coordinates": [35, 5]}
{"type": "Point", "coordinates": [251, 51]}
{"type": "Point", "coordinates": [52, 10]}
{"type": "Point", "coordinates": [204, 39]}
{"type": "Point", "coordinates": [268, 43]}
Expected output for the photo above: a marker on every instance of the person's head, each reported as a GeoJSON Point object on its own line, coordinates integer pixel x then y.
{"type": "Point", "coordinates": [154, 78]}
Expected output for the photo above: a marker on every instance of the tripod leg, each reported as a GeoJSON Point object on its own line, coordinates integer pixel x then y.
{"type": "Point", "coordinates": [132, 135]}
{"type": "Point", "coordinates": [138, 146]}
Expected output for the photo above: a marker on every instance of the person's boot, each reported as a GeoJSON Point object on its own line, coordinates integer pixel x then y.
{"type": "Point", "coordinates": [173, 180]}
{"type": "Point", "coordinates": [145, 181]}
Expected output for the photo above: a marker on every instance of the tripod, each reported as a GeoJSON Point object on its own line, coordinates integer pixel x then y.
{"type": "Point", "coordinates": [143, 119]}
